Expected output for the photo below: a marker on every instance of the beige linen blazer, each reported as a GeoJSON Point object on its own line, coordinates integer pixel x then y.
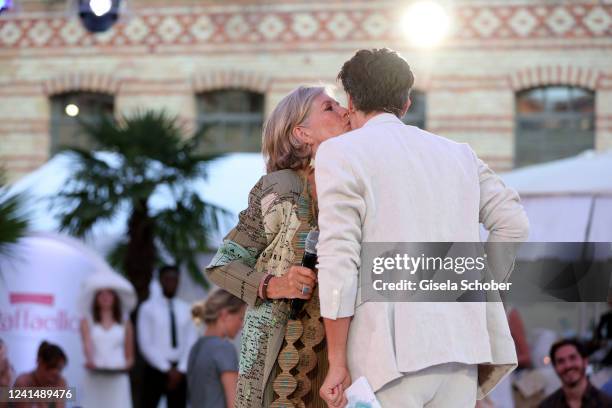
{"type": "Point", "coordinates": [389, 182]}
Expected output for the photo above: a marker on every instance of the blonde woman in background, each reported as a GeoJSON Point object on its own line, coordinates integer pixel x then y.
{"type": "Point", "coordinates": [212, 368]}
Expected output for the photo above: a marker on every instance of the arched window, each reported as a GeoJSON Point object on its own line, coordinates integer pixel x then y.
{"type": "Point", "coordinates": [233, 120]}
{"type": "Point", "coordinates": [68, 110]}
{"type": "Point", "coordinates": [417, 111]}
{"type": "Point", "coordinates": [553, 122]}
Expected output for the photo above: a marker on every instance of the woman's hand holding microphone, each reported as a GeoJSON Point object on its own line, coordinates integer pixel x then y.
{"type": "Point", "coordinates": [297, 283]}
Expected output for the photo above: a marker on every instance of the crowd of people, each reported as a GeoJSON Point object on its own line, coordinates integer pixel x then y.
{"type": "Point", "coordinates": [211, 371]}
{"type": "Point", "coordinates": [167, 337]}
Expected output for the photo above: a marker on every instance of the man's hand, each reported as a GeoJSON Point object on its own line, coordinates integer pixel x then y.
{"type": "Point", "coordinates": [332, 391]}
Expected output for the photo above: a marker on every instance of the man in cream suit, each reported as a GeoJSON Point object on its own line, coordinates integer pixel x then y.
{"type": "Point", "coordinates": [389, 182]}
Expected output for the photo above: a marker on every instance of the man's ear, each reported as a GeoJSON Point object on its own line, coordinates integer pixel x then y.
{"type": "Point", "coordinates": [406, 107]}
{"type": "Point", "coordinates": [349, 102]}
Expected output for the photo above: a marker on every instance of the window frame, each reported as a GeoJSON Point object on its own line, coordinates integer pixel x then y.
{"type": "Point", "coordinates": [551, 122]}
{"type": "Point", "coordinates": [59, 118]}
{"type": "Point", "coordinates": [249, 122]}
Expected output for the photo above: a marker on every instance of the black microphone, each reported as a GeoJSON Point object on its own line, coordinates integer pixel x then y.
{"type": "Point", "coordinates": [308, 261]}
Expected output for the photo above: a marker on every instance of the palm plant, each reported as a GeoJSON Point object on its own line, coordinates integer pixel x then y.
{"type": "Point", "coordinates": [150, 156]}
{"type": "Point", "coordinates": [13, 222]}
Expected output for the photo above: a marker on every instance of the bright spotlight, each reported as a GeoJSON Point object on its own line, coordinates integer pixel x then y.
{"type": "Point", "coordinates": [100, 7]}
{"type": "Point", "coordinates": [426, 23]}
{"type": "Point", "coordinates": [5, 5]}
{"type": "Point", "coordinates": [72, 110]}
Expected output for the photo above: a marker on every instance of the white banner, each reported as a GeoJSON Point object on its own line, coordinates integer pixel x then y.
{"type": "Point", "coordinates": [40, 283]}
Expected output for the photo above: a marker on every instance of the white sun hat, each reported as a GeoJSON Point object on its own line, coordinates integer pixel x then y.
{"type": "Point", "coordinates": [107, 280]}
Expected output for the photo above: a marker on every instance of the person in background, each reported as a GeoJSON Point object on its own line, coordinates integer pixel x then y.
{"type": "Point", "coordinates": [501, 395]}
{"type": "Point", "coordinates": [7, 373]}
{"type": "Point", "coordinates": [165, 335]}
{"type": "Point", "coordinates": [570, 362]}
{"type": "Point", "coordinates": [108, 343]}
{"type": "Point", "coordinates": [517, 330]}
{"type": "Point", "coordinates": [50, 362]}
{"type": "Point", "coordinates": [601, 343]}
{"type": "Point", "coordinates": [212, 368]}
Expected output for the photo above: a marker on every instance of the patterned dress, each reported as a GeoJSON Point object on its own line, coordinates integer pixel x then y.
{"type": "Point", "coordinates": [269, 238]}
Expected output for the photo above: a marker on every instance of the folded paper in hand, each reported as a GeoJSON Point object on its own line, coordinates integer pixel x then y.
{"type": "Point", "coordinates": [360, 395]}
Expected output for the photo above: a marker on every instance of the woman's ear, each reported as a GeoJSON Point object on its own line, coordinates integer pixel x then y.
{"type": "Point", "coordinates": [301, 134]}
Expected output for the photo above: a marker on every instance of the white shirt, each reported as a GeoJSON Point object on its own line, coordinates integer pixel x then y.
{"type": "Point", "coordinates": [154, 334]}
{"type": "Point", "coordinates": [389, 182]}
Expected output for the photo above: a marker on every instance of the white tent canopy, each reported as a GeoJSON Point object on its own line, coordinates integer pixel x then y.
{"type": "Point", "coordinates": [229, 180]}
{"type": "Point", "coordinates": [588, 173]}
{"type": "Point", "coordinates": [568, 200]}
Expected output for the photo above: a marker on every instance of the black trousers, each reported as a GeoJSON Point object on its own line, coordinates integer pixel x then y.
{"type": "Point", "coordinates": [155, 385]}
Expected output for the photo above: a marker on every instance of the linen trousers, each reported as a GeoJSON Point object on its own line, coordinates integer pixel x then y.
{"type": "Point", "coordinates": [451, 385]}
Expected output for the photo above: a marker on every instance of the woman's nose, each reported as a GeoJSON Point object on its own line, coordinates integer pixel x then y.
{"type": "Point", "coordinates": [343, 112]}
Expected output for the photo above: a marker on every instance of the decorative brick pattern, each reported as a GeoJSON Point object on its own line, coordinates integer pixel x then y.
{"type": "Point", "coordinates": [553, 75]}
{"type": "Point", "coordinates": [81, 81]}
{"type": "Point", "coordinates": [215, 79]}
{"type": "Point", "coordinates": [162, 53]}
{"type": "Point", "coordinates": [338, 25]}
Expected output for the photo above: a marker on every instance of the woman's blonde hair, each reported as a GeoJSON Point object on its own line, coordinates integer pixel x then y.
{"type": "Point", "coordinates": [280, 148]}
{"type": "Point", "coordinates": [208, 311]}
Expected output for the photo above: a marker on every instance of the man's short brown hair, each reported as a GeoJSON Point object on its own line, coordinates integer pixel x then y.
{"type": "Point", "coordinates": [377, 80]}
{"type": "Point", "coordinates": [567, 342]}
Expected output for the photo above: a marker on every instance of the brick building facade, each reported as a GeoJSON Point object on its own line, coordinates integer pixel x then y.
{"type": "Point", "coordinates": [163, 54]}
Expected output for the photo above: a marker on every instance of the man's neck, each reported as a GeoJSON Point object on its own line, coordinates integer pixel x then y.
{"type": "Point", "coordinates": [360, 118]}
{"type": "Point", "coordinates": [576, 392]}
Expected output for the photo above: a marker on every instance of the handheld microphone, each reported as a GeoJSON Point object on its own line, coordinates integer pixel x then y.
{"type": "Point", "coordinates": [308, 261]}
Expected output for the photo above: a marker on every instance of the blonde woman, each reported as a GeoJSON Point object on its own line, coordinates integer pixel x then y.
{"type": "Point", "coordinates": [212, 368]}
{"type": "Point", "coordinates": [258, 259]}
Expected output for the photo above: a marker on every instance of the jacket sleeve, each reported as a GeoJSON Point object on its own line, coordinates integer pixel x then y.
{"type": "Point", "coordinates": [341, 213]}
{"type": "Point", "coordinates": [503, 216]}
{"type": "Point", "coordinates": [232, 268]}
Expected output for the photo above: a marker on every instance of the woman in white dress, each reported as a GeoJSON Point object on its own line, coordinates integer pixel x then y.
{"type": "Point", "coordinates": [108, 342]}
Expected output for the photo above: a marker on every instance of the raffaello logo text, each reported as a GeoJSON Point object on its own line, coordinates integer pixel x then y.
{"type": "Point", "coordinates": [35, 312]}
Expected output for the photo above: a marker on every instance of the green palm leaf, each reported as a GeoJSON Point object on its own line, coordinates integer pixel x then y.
{"type": "Point", "coordinates": [150, 155]}
{"type": "Point", "coordinates": [13, 221]}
